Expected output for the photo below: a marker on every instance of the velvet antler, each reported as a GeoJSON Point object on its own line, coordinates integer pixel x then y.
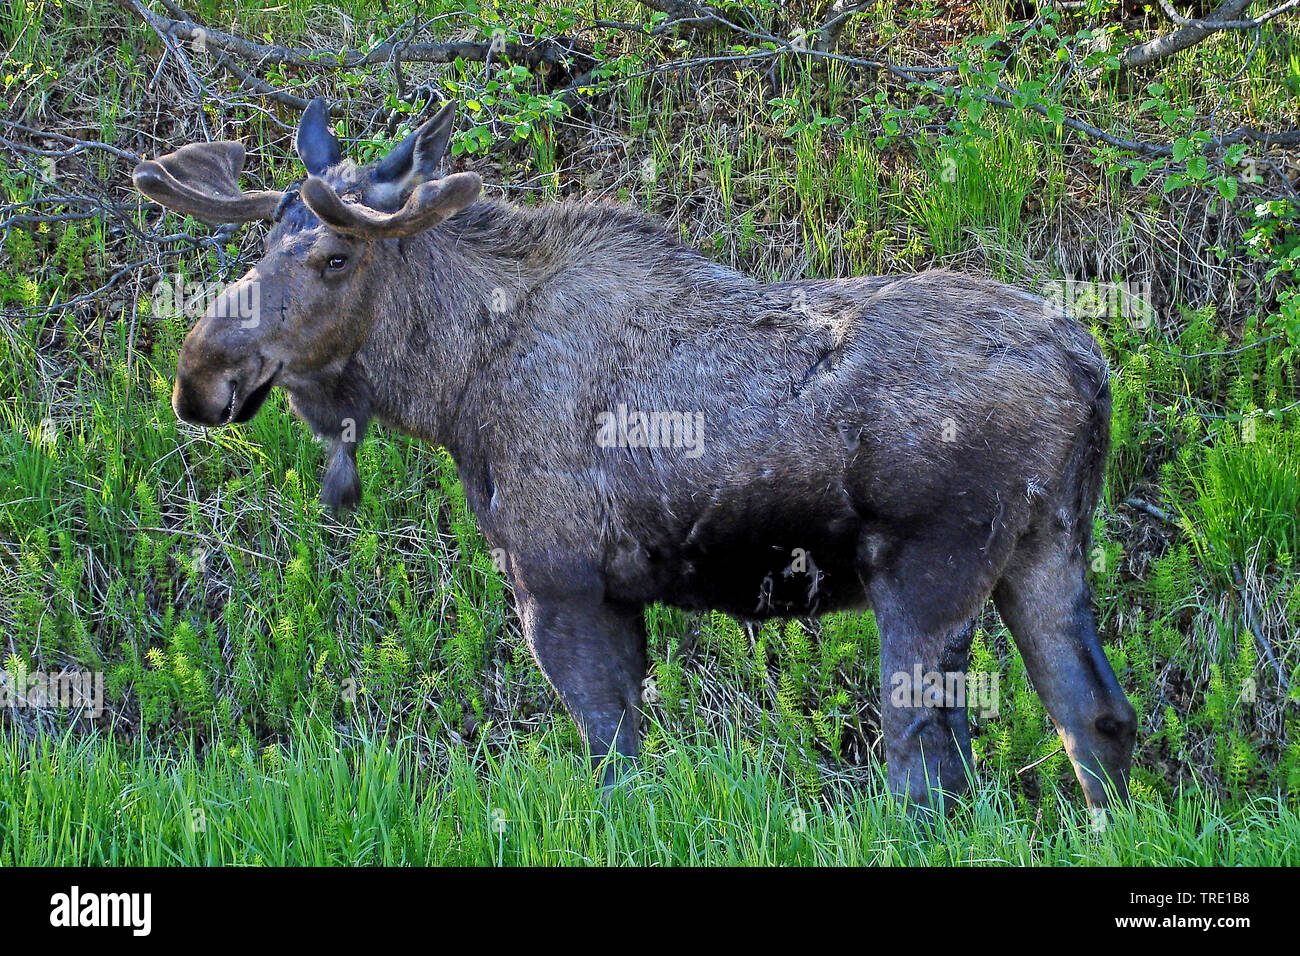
{"type": "Point", "coordinates": [429, 204]}
{"type": "Point", "coordinates": [202, 180]}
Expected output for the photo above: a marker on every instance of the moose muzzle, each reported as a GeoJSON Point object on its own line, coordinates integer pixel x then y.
{"type": "Point", "coordinates": [222, 373]}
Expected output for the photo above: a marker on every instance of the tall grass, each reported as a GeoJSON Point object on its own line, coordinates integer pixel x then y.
{"type": "Point", "coordinates": [328, 799]}
{"type": "Point", "coordinates": [1248, 497]}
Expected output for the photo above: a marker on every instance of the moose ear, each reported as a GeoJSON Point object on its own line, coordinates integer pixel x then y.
{"type": "Point", "coordinates": [317, 147]}
{"type": "Point", "coordinates": [415, 159]}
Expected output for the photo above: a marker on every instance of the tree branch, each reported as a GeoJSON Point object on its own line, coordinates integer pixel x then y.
{"type": "Point", "coordinates": [1222, 24]}
{"type": "Point", "coordinates": [548, 51]}
{"type": "Point", "coordinates": [837, 18]}
{"type": "Point", "coordinates": [1189, 35]}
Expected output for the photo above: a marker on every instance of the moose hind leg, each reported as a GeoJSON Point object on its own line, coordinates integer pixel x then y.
{"type": "Point", "coordinates": [593, 654]}
{"type": "Point", "coordinates": [923, 709]}
{"type": "Point", "coordinates": [1043, 598]}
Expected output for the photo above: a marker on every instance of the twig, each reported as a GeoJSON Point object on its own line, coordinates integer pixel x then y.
{"type": "Point", "coordinates": [1147, 508]}
{"type": "Point", "coordinates": [257, 85]}
{"type": "Point", "coordinates": [923, 77]}
{"type": "Point", "coordinates": [78, 145]}
{"type": "Point", "coordinates": [206, 537]}
{"type": "Point", "coordinates": [1216, 352]}
{"type": "Point", "coordinates": [1252, 625]}
{"type": "Point", "coordinates": [1040, 760]}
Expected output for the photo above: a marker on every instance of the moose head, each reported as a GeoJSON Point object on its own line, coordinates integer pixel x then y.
{"type": "Point", "coordinates": [296, 319]}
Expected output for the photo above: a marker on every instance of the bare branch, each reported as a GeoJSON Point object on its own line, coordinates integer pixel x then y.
{"type": "Point", "coordinates": [837, 18]}
{"type": "Point", "coordinates": [691, 13]}
{"type": "Point", "coordinates": [548, 51]}
{"type": "Point", "coordinates": [924, 76]}
{"type": "Point", "coordinates": [1224, 16]}
{"type": "Point", "coordinates": [77, 145]}
{"type": "Point", "coordinates": [1221, 24]}
{"type": "Point", "coordinates": [257, 85]}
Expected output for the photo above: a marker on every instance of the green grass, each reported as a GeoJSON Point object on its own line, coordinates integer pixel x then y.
{"type": "Point", "coordinates": [1249, 493]}
{"type": "Point", "coordinates": [234, 620]}
{"type": "Point", "coordinates": [327, 800]}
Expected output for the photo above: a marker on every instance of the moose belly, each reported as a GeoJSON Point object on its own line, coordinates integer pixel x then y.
{"type": "Point", "coordinates": [798, 566]}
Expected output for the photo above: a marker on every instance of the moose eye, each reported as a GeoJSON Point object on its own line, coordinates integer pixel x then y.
{"type": "Point", "coordinates": [336, 262]}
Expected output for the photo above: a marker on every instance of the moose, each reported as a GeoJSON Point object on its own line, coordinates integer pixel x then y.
{"type": "Point", "coordinates": [633, 423]}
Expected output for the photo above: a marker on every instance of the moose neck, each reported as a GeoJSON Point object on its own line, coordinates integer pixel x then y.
{"type": "Point", "coordinates": [453, 299]}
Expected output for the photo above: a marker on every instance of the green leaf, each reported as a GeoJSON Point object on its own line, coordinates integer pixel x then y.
{"type": "Point", "coordinates": [1234, 153]}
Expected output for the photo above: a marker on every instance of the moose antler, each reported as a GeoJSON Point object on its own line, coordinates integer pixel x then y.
{"type": "Point", "coordinates": [429, 204]}
{"type": "Point", "coordinates": [202, 180]}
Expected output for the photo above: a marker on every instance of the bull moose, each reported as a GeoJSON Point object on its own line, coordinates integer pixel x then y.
{"type": "Point", "coordinates": [635, 423]}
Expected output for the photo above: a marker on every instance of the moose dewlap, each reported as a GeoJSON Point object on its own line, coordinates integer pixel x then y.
{"type": "Point", "coordinates": [634, 423]}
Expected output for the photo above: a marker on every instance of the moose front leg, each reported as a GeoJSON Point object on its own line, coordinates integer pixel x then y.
{"type": "Point", "coordinates": [1044, 599]}
{"type": "Point", "coordinates": [593, 654]}
{"type": "Point", "coordinates": [926, 730]}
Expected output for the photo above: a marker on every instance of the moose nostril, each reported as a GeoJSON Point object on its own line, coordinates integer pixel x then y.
{"type": "Point", "coordinates": [1113, 726]}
